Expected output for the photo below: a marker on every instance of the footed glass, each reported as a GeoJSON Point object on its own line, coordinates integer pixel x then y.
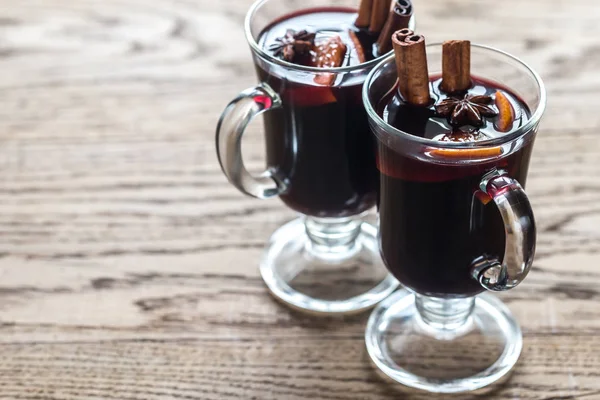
{"type": "Point", "coordinates": [443, 334]}
{"type": "Point", "coordinates": [320, 163]}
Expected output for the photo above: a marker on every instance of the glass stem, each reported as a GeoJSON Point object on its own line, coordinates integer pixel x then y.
{"type": "Point", "coordinates": [333, 235]}
{"type": "Point", "coordinates": [444, 314]}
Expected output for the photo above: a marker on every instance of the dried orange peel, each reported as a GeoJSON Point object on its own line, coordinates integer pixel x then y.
{"type": "Point", "coordinates": [484, 152]}
{"type": "Point", "coordinates": [307, 96]}
{"type": "Point", "coordinates": [506, 113]}
{"type": "Point", "coordinates": [329, 54]}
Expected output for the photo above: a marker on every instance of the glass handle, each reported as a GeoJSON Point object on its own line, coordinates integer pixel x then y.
{"type": "Point", "coordinates": [519, 227]}
{"type": "Point", "coordinates": [232, 124]}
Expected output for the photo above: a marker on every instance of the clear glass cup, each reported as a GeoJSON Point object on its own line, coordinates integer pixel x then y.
{"type": "Point", "coordinates": [437, 213]}
{"type": "Point", "coordinates": [320, 163]}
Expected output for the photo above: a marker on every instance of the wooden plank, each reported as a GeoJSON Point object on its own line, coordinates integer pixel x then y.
{"type": "Point", "coordinates": [128, 265]}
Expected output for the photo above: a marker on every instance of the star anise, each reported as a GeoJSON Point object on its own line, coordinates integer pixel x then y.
{"type": "Point", "coordinates": [293, 44]}
{"type": "Point", "coordinates": [468, 110]}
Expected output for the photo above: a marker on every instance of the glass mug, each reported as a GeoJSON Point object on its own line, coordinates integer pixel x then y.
{"type": "Point", "coordinates": [320, 163]}
{"type": "Point", "coordinates": [450, 229]}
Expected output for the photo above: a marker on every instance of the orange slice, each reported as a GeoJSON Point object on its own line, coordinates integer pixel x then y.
{"type": "Point", "coordinates": [468, 153]}
{"type": "Point", "coordinates": [506, 116]}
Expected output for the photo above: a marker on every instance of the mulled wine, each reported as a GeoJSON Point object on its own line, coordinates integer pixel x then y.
{"type": "Point", "coordinates": [434, 221]}
{"type": "Point", "coordinates": [311, 65]}
{"type": "Point", "coordinates": [453, 153]}
{"type": "Point", "coordinates": [319, 141]}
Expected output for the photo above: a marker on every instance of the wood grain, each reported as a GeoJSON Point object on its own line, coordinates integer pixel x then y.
{"type": "Point", "coordinates": [128, 265]}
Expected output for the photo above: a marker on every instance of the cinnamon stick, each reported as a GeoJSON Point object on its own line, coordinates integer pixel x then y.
{"type": "Point", "coordinates": [398, 18]}
{"type": "Point", "coordinates": [411, 63]}
{"type": "Point", "coordinates": [401, 35]}
{"type": "Point", "coordinates": [379, 14]}
{"type": "Point", "coordinates": [456, 66]}
{"type": "Point", "coordinates": [364, 14]}
{"type": "Point", "coordinates": [360, 52]}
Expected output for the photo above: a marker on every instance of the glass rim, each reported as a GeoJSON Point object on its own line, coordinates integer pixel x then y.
{"type": "Point", "coordinates": [533, 121]}
{"type": "Point", "coordinates": [268, 57]}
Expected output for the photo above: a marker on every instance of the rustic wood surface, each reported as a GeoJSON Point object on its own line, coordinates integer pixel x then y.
{"type": "Point", "coordinates": [128, 265]}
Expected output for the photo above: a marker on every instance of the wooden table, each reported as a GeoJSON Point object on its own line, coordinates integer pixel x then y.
{"type": "Point", "coordinates": [128, 265]}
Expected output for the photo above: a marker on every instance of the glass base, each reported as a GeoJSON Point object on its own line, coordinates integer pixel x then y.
{"type": "Point", "coordinates": [326, 266]}
{"type": "Point", "coordinates": [409, 340]}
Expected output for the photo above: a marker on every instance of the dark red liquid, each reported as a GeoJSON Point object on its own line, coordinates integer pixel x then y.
{"type": "Point", "coordinates": [434, 223]}
{"type": "Point", "coordinates": [319, 142]}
